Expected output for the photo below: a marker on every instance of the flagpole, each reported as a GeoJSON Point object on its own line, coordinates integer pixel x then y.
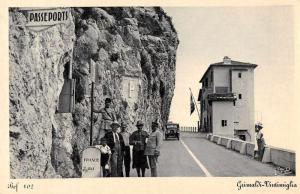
{"type": "Point", "coordinates": [195, 104]}
{"type": "Point", "coordinates": [92, 73]}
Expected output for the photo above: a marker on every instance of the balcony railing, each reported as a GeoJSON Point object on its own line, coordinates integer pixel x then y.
{"type": "Point", "coordinates": [207, 90]}
{"type": "Point", "coordinates": [221, 97]}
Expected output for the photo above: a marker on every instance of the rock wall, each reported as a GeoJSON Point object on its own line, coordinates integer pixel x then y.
{"type": "Point", "coordinates": [134, 52]}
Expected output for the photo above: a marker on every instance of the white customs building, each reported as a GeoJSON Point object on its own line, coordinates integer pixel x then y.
{"type": "Point", "coordinates": [227, 99]}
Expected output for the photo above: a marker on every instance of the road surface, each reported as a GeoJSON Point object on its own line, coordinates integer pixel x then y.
{"type": "Point", "coordinates": [195, 156]}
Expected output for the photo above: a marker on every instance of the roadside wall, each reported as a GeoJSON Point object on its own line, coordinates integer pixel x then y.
{"type": "Point", "coordinates": [277, 156]}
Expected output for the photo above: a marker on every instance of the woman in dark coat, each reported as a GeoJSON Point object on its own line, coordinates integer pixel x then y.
{"type": "Point", "coordinates": [138, 140]}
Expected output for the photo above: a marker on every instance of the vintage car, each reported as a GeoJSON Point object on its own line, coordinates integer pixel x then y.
{"type": "Point", "coordinates": [172, 130]}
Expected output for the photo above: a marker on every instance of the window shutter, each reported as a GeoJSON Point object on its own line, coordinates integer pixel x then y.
{"type": "Point", "coordinates": [66, 103]}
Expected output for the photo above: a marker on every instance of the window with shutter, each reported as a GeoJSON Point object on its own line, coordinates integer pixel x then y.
{"type": "Point", "coordinates": [224, 123]}
{"type": "Point", "coordinates": [66, 101]}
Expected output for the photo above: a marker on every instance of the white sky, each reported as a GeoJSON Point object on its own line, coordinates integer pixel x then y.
{"type": "Point", "coordinates": [259, 35]}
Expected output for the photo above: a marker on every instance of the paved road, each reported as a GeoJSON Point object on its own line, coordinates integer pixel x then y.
{"type": "Point", "coordinates": [195, 156]}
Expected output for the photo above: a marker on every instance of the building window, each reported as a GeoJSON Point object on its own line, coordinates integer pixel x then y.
{"type": "Point", "coordinates": [240, 75]}
{"type": "Point", "coordinates": [221, 90]}
{"type": "Point", "coordinates": [224, 123]}
{"type": "Point", "coordinates": [206, 82]}
{"type": "Point", "coordinates": [240, 96]}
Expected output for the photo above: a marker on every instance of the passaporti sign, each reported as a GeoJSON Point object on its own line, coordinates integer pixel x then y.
{"type": "Point", "coordinates": [40, 19]}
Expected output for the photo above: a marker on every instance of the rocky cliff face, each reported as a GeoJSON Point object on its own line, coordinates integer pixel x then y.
{"type": "Point", "coordinates": [134, 52]}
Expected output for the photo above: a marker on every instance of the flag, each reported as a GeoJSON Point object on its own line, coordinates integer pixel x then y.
{"type": "Point", "coordinates": [192, 105]}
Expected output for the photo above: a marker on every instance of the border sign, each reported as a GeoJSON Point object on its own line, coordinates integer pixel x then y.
{"type": "Point", "coordinates": [40, 19]}
{"type": "Point", "coordinates": [91, 166]}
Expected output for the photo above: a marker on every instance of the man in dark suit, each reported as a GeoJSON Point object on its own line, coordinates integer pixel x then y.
{"type": "Point", "coordinates": [116, 143]}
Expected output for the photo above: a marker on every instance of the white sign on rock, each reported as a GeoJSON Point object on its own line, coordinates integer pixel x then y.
{"type": "Point", "coordinates": [131, 88]}
{"type": "Point", "coordinates": [41, 18]}
{"type": "Point", "coordinates": [91, 166]}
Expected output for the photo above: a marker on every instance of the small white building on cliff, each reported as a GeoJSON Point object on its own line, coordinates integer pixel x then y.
{"type": "Point", "coordinates": [227, 99]}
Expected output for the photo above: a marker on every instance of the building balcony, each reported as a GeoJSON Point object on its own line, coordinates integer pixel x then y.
{"type": "Point", "coordinates": [221, 97]}
{"type": "Point", "coordinates": [204, 92]}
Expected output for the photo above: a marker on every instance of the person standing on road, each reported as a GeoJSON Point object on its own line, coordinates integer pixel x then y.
{"type": "Point", "coordinates": [108, 117]}
{"type": "Point", "coordinates": [153, 147]}
{"type": "Point", "coordinates": [255, 153]}
{"type": "Point", "coordinates": [127, 159]}
{"type": "Point", "coordinates": [116, 144]}
{"type": "Point", "coordinates": [138, 140]}
{"type": "Point", "coordinates": [260, 141]}
{"type": "Point", "coordinates": [105, 157]}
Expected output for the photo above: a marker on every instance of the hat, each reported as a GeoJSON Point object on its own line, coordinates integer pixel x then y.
{"type": "Point", "coordinates": [124, 125]}
{"type": "Point", "coordinates": [259, 124]}
{"type": "Point", "coordinates": [140, 123]}
{"type": "Point", "coordinates": [115, 123]}
{"type": "Point", "coordinates": [155, 123]}
{"type": "Point", "coordinates": [107, 100]}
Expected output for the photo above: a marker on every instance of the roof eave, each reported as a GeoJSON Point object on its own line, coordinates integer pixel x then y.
{"type": "Point", "coordinates": [223, 65]}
